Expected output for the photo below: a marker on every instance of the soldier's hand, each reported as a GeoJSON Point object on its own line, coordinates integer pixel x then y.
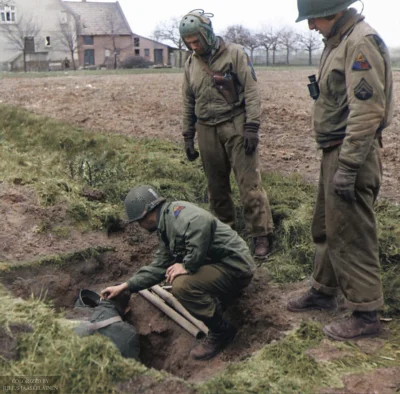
{"type": "Point", "coordinates": [113, 291]}
{"type": "Point", "coordinates": [174, 271]}
{"type": "Point", "coordinates": [191, 153]}
{"type": "Point", "coordinates": [344, 183]}
{"type": "Point", "coordinates": [250, 137]}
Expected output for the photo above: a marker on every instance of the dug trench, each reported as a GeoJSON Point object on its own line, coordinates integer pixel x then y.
{"type": "Point", "coordinates": [164, 345]}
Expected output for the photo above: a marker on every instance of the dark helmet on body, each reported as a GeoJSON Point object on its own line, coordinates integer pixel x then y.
{"type": "Point", "coordinates": [309, 9]}
{"type": "Point", "coordinates": [198, 23]}
{"type": "Point", "coordinates": [87, 298]}
{"type": "Point", "coordinates": [140, 201]}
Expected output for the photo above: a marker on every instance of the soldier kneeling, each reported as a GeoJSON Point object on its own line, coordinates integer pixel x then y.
{"type": "Point", "coordinates": [203, 258]}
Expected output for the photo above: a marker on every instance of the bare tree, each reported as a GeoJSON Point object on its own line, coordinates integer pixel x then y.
{"type": "Point", "coordinates": [113, 27]}
{"type": "Point", "coordinates": [68, 37]}
{"type": "Point", "coordinates": [21, 36]}
{"type": "Point", "coordinates": [288, 40]}
{"type": "Point", "coordinates": [268, 38]}
{"type": "Point", "coordinates": [252, 43]}
{"type": "Point", "coordinates": [242, 36]}
{"type": "Point", "coordinates": [310, 42]}
{"type": "Point", "coordinates": [169, 31]}
{"type": "Point", "coordinates": [237, 34]}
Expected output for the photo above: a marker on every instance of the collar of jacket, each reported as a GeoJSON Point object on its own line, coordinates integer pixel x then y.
{"type": "Point", "coordinates": [343, 27]}
{"type": "Point", "coordinates": [220, 47]}
{"type": "Point", "coordinates": [161, 217]}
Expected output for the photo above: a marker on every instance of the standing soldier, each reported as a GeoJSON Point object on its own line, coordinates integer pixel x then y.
{"type": "Point", "coordinates": [221, 102]}
{"type": "Point", "coordinates": [204, 259]}
{"type": "Point", "coordinates": [353, 105]}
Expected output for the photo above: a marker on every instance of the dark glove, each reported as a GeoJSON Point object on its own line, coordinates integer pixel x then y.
{"type": "Point", "coordinates": [344, 183]}
{"type": "Point", "coordinates": [191, 153]}
{"type": "Point", "coordinates": [250, 136]}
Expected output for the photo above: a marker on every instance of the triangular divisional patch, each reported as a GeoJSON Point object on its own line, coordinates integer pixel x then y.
{"type": "Point", "coordinates": [361, 63]}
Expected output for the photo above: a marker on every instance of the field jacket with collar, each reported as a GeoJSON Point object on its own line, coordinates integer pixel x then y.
{"type": "Point", "coordinates": [194, 237]}
{"type": "Point", "coordinates": [356, 89]}
{"type": "Point", "coordinates": [203, 103]}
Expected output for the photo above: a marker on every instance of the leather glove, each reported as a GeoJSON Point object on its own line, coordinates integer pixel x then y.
{"type": "Point", "coordinates": [191, 153]}
{"type": "Point", "coordinates": [344, 183]}
{"type": "Point", "coordinates": [250, 136]}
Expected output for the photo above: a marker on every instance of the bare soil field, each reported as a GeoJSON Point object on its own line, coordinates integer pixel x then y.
{"type": "Point", "coordinates": [149, 105]}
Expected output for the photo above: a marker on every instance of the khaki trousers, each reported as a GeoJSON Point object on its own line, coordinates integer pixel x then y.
{"type": "Point", "coordinates": [221, 149]}
{"type": "Point", "coordinates": [345, 235]}
{"type": "Point", "coordinates": [201, 292]}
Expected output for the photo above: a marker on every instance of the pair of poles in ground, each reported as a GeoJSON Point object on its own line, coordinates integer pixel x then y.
{"type": "Point", "coordinates": [168, 304]}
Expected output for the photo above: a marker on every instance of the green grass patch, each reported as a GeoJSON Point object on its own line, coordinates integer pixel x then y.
{"type": "Point", "coordinates": [82, 365]}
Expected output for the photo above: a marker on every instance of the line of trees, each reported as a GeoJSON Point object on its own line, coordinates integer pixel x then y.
{"type": "Point", "coordinates": [270, 39]}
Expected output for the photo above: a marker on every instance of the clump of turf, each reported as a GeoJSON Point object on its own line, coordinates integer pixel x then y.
{"type": "Point", "coordinates": [90, 364]}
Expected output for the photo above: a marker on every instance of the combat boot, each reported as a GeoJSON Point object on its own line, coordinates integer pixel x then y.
{"type": "Point", "coordinates": [214, 343]}
{"type": "Point", "coordinates": [359, 325]}
{"type": "Point", "coordinates": [261, 247]}
{"type": "Point", "coordinates": [311, 300]}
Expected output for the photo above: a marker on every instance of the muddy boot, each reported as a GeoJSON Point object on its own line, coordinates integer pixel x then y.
{"type": "Point", "coordinates": [214, 343]}
{"type": "Point", "coordinates": [359, 325]}
{"type": "Point", "coordinates": [261, 247]}
{"type": "Point", "coordinates": [311, 300]}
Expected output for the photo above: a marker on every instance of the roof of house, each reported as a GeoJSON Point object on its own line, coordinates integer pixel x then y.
{"type": "Point", "coordinates": [100, 18]}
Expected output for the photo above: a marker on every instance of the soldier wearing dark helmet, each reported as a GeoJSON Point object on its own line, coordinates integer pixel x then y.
{"type": "Point", "coordinates": [206, 262]}
{"type": "Point", "coordinates": [221, 101]}
{"type": "Point", "coordinates": [353, 105]}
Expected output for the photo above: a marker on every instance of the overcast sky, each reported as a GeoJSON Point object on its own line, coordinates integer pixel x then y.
{"type": "Point", "coordinates": [144, 15]}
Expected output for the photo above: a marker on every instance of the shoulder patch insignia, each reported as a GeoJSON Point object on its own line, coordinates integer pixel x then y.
{"type": "Point", "coordinates": [178, 210]}
{"type": "Point", "coordinates": [361, 63]}
{"type": "Point", "coordinates": [363, 91]}
{"type": "Point", "coordinates": [250, 64]}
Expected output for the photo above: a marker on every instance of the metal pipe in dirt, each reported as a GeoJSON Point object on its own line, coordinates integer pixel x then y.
{"type": "Point", "coordinates": [175, 316]}
{"type": "Point", "coordinates": [175, 304]}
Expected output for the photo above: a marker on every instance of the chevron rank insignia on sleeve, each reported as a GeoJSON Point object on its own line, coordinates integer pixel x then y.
{"type": "Point", "coordinates": [363, 91]}
{"type": "Point", "coordinates": [361, 63]}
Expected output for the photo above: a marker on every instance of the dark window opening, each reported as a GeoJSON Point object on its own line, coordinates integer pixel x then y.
{"type": "Point", "coordinates": [136, 41]}
{"type": "Point", "coordinates": [29, 44]}
{"type": "Point", "coordinates": [88, 40]}
{"type": "Point", "coordinates": [47, 41]}
{"type": "Point", "coordinates": [137, 52]}
{"type": "Point", "coordinates": [89, 57]}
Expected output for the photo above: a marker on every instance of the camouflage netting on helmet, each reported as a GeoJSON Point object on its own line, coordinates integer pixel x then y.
{"type": "Point", "coordinates": [198, 23]}
{"type": "Point", "coordinates": [319, 9]}
{"type": "Point", "coordinates": [140, 201]}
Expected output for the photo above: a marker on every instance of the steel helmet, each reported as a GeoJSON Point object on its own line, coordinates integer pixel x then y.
{"type": "Point", "coordinates": [87, 298]}
{"type": "Point", "coordinates": [198, 23]}
{"type": "Point", "coordinates": [140, 201]}
{"type": "Point", "coordinates": [320, 8]}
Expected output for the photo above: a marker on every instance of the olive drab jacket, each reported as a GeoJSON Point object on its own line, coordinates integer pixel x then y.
{"type": "Point", "coordinates": [355, 79]}
{"type": "Point", "coordinates": [194, 237]}
{"type": "Point", "coordinates": [203, 103]}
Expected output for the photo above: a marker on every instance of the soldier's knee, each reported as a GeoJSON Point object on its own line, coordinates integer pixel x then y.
{"type": "Point", "coordinates": [181, 287]}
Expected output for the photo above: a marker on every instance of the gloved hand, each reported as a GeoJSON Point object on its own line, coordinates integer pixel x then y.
{"type": "Point", "coordinates": [250, 136]}
{"type": "Point", "coordinates": [191, 153]}
{"type": "Point", "coordinates": [344, 183]}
